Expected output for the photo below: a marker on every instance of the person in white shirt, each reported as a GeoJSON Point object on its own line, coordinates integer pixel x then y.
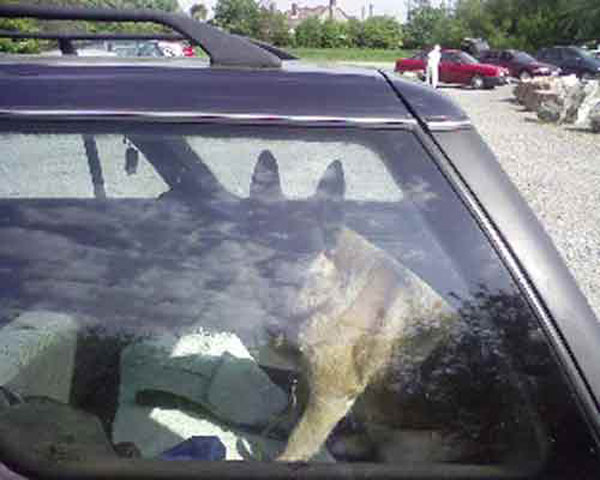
{"type": "Point", "coordinates": [433, 63]}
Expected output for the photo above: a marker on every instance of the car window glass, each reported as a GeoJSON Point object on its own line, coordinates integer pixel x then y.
{"type": "Point", "coordinates": [582, 52]}
{"type": "Point", "coordinates": [466, 58]}
{"type": "Point", "coordinates": [366, 177]}
{"type": "Point", "coordinates": [524, 57]}
{"type": "Point", "coordinates": [25, 178]}
{"type": "Point", "coordinates": [149, 49]}
{"type": "Point", "coordinates": [263, 293]}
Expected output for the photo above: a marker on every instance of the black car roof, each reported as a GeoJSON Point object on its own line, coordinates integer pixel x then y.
{"type": "Point", "coordinates": [192, 86]}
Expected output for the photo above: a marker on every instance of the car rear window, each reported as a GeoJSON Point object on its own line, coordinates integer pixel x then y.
{"type": "Point", "coordinates": [490, 55]}
{"type": "Point", "coordinates": [524, 57]}
{"type": "Point", "coordinates": [195, 297]}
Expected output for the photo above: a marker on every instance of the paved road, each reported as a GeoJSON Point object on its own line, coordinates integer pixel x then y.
{"type": "Point", "coordinates": [556, 168]}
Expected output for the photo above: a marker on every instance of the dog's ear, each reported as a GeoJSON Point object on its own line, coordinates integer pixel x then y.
{"type": "Point", "coordinates": [332, 185]}
{"type": "Point", "coordinates": [329, 198]}
{"type": "Point", "coordinates": [266, 184]}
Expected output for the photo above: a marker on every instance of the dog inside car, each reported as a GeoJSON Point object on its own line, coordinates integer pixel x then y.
{"type": "Point", "coordinates": [286, 276]}
{"type": "Point", "coordinates": [343, 304]}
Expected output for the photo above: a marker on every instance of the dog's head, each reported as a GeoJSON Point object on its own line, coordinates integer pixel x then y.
{"type": "Point", "coordinates": [294, 227]}
{"type": "Point", "coordinates": [263, 259]}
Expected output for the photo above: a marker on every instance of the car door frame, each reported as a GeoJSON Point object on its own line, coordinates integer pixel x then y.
{"type": "Point", "coordinates": [448, 68]}
{"type": "Point", "coordinates": [479, 192]}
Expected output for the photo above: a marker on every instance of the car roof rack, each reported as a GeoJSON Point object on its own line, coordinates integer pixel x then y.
{"type": "Point", "coordinates": [65, 38]}
{"type": "Point", "coordinates": [223, 49]}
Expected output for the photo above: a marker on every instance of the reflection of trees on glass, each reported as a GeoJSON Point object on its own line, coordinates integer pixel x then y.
{"type": "Point", "coordinates": [471, 398]}
{"type": "Point", "coordinates": [198, 11]}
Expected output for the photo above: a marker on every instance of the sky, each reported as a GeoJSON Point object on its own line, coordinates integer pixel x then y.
{"type": "Point", "coordinates": [394, 8]}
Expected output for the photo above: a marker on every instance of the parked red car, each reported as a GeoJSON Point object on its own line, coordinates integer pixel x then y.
{"type": "Point", "coordinates": [188, 51]}
{"type": "Point", "coordinates": [521, 65]}
{"type": "Point", "coordinates": [457, 66]}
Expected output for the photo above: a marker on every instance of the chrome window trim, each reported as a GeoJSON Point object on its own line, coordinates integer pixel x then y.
{"type": "Point", "coordinates": [448, 125]}
{"type": "Point", "coordinates": [201, 117]}
{"type": "Point", "coordinates": [58, 60]}
{"type": "Point", "coordinates": [192, 116]}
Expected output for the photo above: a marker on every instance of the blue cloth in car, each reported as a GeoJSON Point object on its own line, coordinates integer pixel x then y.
{"type": "Point", "coordinates": [196, 448]}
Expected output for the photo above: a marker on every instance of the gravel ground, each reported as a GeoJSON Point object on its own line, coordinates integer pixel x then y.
{"type": "Point", "coordinates": [556, 168]}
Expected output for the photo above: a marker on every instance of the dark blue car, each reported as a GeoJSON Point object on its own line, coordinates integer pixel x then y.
{"type": "Point", "coordinates": [571, 60]}
{"type": "Point", "coordinates": [254, 267]}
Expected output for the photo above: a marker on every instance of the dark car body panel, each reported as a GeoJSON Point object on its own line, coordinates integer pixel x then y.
{"type": "Point", "coordinates": [510, 60]}
{"type": "Point", "coordinates": [424, 105]}
{"type": "Point", "coordinates": [201, 89]}
{"type": "Point", "coordinates": [569, 60]}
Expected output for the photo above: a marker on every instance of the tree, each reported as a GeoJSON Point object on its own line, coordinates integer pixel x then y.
{"type": "Point", "coordinates": [584, 17]}
{"type": "Point", "coordinates": [382, 32]}
{"type": "Point", "coordinates": [166, 5]}
{"type": "Point", "coordinates": [449, 32]}
{"type": "Point", "coordinates": [18, 46]}
{"type": "Point", "coordinates": [31, 25]}
{"type": "Point", "coordinates": [522, 24]}
{"type": "Point", "coordinates": [238, 16]}
{"type": "Point", "coordinates": [272, 27]}
{"type": "Point", "coordinates": [477, 17]}
{"type": "Point", "coordinates": [199, 11]}
{"type": "Point", "coordinates": [355, 32]}
{"type": "Point", "coordinates": [333, 34]}
{"type": "Point", "coordinates": [424, 27]}
{"type": "Point", "coordinates": [309, 33]}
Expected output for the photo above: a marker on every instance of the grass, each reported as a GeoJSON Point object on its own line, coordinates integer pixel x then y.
{"type": "Point", "coordinates": [341, 54]}
{"type": "Point", "coordinates": [350, 54]}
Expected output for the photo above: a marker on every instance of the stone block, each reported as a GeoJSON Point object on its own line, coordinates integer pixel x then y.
{"type": "Point", "coordinates": [590, 102]}
{"type": "Point", "coordinates": [595, 118]}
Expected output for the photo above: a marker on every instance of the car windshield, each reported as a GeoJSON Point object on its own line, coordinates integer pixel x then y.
{"type": "Point", "coordinates": [524, 57]}
{"type": "Point", "coordinates": [261, 293]}
{"type": "Point", "coordinates": [582, 52]}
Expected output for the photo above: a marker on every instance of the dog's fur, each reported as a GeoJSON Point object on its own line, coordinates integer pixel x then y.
{"type": "Point", "coordinates": [347, 344]}
{"type": "Point", "coordinates": [362, 302]}
{"type": "Point", "coordinates": [347, 306]}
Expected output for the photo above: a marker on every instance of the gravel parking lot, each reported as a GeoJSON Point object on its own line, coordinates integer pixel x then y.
{"type": "Point", "coordinates": [556, 168]}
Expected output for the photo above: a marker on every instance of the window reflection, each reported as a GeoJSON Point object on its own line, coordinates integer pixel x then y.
{"type": "Point", "coordinates": [318, 298]}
